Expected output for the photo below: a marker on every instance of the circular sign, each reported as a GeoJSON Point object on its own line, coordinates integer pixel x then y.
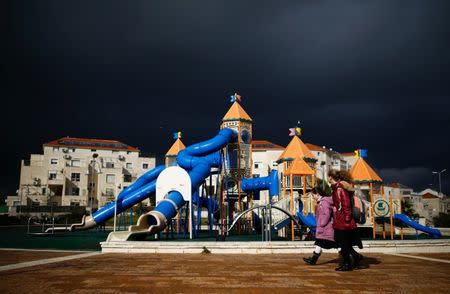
{"type": "Point", "coordinates": [381, 207]}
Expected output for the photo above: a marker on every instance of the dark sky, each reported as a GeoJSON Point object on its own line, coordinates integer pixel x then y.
{"type": "Point", "coordinates": [368, 74]}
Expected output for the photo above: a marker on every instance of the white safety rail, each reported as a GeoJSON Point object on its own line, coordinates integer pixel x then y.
{"type": "Point", "coordinates": [279, 216]}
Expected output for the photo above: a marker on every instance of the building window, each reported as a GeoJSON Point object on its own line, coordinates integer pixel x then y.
{"type": "Point", "coordinates": [52, 175]}
{"type": "Point", "coordinates": [75, 191]}
{"type": "Point", "coordinates": [93, 150]}
{"type": "Point", "coordinates": [74, 203]}
{"type": "Point", "coordinates": [145, 166]}
{"type": "Point", "coordinates": [110, 165]}
{"type": "Point", "coordinates": [54, 161]}
{"type": "Point", "coordinates": [256, 165]}
{"type": "Point", "coordinates": [274, 163]}
{"type": "Point", "coordinates": [127, 178]}
{"type": "Point", "coordinates": [109, 192]}
{"type": "Point", "coordinates": [76, 163]}
{"type": "Point", "coordinates": [129, 165]}
{"type": "Point", "coordinates": [75, 177]}
{"type": "Point", "coordinates": [110, 179]}
{"type": "Point", "coordinates": [44, 190]}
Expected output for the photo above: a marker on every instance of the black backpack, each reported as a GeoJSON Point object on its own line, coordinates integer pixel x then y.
{"type": "Point", "coordinates": [358, 208]}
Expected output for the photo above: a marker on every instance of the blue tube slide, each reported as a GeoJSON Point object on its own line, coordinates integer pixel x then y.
{"type": "Point", "coordinates": [131, 195]}
{"type": "Point", "coordinates": [435, 233]}
{"type": "Point", "coordinates": [197, 159]}
{"type": "Point", "coordinates": [257, 184]}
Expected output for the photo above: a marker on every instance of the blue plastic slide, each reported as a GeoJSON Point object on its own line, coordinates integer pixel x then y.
{"type": "Point", "coordinates": [309, 220]}
{"type": "Point", "coordinates": [435, 233]}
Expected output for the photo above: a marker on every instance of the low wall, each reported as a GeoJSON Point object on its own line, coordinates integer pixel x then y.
{"type": "Point", "coordinates": [278, 247]}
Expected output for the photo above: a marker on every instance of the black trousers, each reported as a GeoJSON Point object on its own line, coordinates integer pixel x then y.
{"type": "Point", "coordinates": [345, 239]}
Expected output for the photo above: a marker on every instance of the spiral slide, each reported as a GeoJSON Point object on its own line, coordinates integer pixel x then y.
{"type": "Point", "coordinates": [435, 233]}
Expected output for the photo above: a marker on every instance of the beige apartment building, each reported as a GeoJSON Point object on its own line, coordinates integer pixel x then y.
{"type": "Point", "coordinates": [78, 172]}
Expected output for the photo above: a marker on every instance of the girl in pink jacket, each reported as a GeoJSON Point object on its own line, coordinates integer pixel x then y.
{"type": "Point", "coordinates": [324, 226]}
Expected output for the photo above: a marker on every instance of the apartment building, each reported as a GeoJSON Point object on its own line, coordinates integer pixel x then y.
{"type": "Point", "coordinates": [78, 172]}
{"type": "Point", "coordinates": [327, 159]}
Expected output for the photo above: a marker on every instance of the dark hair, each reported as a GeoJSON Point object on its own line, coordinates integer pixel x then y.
{"type": "Point", "coordinates": [340, 175]}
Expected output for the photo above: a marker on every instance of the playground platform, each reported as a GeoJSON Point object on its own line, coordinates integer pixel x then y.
{"type": "Point", "coordinates": [277, 247]}
{"type": "Point", "coordinates": [81, 272]}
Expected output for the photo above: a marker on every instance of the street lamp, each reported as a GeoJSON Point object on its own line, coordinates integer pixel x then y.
{"type": "Point", "coordinates": [439, 173]}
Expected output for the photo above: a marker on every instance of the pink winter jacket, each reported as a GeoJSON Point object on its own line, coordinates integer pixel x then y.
{"type": "Point", "coordinates": [324, 219]}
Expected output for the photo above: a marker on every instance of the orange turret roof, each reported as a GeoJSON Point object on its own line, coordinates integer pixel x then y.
{"type": "Point", "coordinates": [176, 147]}
{"type": "Point", "coordinates": [362, 172]}
{"type": "Point", "coordinates": [236, 112]}
{"type": "Point", "coordinates": [296, 148]}
{"type": "Point", "coordinates": [299, 168]}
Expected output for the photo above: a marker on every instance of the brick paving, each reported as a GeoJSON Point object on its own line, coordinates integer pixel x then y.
{"type": "Point", "coordinates": [196, 273]}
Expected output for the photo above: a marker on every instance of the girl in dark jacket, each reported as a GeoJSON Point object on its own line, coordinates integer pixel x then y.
{"type": "Point", "coordinates": [344, 225]}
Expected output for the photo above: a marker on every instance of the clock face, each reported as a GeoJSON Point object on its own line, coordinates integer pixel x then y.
{"type": "Point", "coordinates": [245, 136]}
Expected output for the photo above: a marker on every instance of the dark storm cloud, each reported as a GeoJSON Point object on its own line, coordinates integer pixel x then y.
{"type": "Point", "coordinates": [356, 74]}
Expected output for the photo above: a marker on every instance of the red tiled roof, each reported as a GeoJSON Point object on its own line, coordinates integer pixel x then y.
{"type": "Point", "coordinates": [397, 185]}
{"type": "Point", "coordinates": [313, 147]}
{"type": "Point", "coordinates": [265, 145]}
{"type": "Point", "coordinates": [348, 154]}
{"type": "Point", "coordinates": [429, 196]}
{"type": "Point", "coordinates": [85, 143]}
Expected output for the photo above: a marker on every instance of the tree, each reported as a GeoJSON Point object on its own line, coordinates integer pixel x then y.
{"type": "Point", "coordinates": [409, 210]}
{"type": "Point", "coordinates": [442, 220]}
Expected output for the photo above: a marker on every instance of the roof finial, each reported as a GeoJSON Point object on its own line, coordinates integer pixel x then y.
{"type": "Point", "coordinates": [360, 153]}
{"type": "Point", "coordinates": [235, 97]}
{"type": "Point", "coordinates": [295, 131]}
{"type": "Point", "coordinates": [177, 135]}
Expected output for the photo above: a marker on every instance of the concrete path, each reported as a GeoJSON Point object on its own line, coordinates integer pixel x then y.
{"type": "Point", "coordinates": [46, 261]}
{"type": "Point", "coordinates": [420, 257]}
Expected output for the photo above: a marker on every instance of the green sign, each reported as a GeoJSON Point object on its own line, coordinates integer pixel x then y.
{"type": "Point", "coordinates": [381, 207]}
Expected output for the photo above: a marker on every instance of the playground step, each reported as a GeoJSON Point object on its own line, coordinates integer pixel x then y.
{"type": "Point", "coordinates": [275, 247]}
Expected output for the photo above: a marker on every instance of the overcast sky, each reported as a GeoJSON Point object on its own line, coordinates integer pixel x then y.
{"type": "Point", "coordinates": [356, 74]}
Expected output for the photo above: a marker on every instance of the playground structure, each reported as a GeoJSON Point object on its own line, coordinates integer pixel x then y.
{"type": "Point", "coordinates": [215, 178]}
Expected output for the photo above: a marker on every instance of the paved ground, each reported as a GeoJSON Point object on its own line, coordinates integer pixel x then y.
{"type": "Point", "coordinates": [195, 273]}
{"type": "Point", "coordinates": [16, 256]}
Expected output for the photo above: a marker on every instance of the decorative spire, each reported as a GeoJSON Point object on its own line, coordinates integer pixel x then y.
{"type": "Point", "coordinates": [295, 131]}
{"type": "Point", "coordinates": [177, 135]}
{"type": "Point", "coordinates": [360, 153]}
{"type": "Point", "coordinates": [235, 97]}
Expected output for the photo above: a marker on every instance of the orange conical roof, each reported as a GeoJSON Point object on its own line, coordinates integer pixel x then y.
{"type": "Point", "coordinates": [176, 147]}
{"type": "Point", "coordinates": [362, 172]}
{"type": "Point", "coordinates": [299, 168]}
{"type": "Point", "coordinates": [236, 112]}
{"type": "Point", "coordinates": [296, 148]}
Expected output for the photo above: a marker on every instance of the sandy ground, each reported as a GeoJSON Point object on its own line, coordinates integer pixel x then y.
{"type": "Point", "coordinates": [196, 273]}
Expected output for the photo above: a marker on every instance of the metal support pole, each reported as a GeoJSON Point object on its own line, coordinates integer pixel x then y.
{"type": "Point", "coordinates": [115, 213]}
